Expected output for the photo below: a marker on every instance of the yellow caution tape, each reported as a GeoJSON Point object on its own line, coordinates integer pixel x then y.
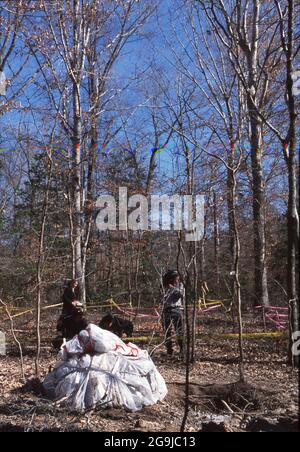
{"type": "Point", "coordinates": [217, 336]}
{"type": "Point", "coordinates": [11, 309]}
{"type": "Point", "coordinates": [251, 335]}
{"type": "Point", "coordinates": [209, 302]}
{"type": "Point", "coordinates": [158, 339]}
{"type": "Point", "coordinates": [114, 303]}
{"type": "Point", "coordinates": [106, 305]}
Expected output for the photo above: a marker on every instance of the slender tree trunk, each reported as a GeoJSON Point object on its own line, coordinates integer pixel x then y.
{"type": "Point", "coordinates": [216, 242]}
{"type": "Point", "coordinates": [293, 219]}
{"type": "Point", "coordinates": [77, 190]}
{"type": "Point", "coordinates": [260, 272]}
{"type": "Point", "coordinates": [292, 227]}
{"type": "Point", "coordinates": [195, 301]}
{"type": "Point", "coordinates": [77, 67]}
{"type": "Point", "coordinates": [202, 252]}
{"type": "Point", "coordinates": [187, 354]}
{"type": "Point", "coordinates": [71, 226]}
{"type": "Point", "coordinates": [40, 265]}
{"type": "Point", "coordinates": [89, 206]}
{"type": "Point", "coordinates": [94, 101]}
{"type": "Point", "coordinates": [237, 285]}
{"type": "Point", "coordinates": [230, 204]}
{"type": "Point", "coordinates": [231, 223]}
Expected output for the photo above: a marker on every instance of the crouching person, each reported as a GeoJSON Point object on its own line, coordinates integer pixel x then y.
{"type": "Point", "coordinates": [70, 326]}
{"type": "Point", "coordinates": [73, 324]}
{"type": "Point", "coordinates": [117, 325]}
{"type": "Point", "coordinates": [172, 310]}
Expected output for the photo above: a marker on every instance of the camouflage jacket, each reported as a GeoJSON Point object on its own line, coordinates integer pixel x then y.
{"type": "Point", "coordinates": [173, 298]}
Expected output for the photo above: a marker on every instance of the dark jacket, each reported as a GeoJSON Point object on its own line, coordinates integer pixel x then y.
{"type": "Point", "coordinates": [69, 296]}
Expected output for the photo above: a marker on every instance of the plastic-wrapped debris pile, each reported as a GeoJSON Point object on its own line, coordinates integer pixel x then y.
{"type": "Point", "coordinates": [98, 368]}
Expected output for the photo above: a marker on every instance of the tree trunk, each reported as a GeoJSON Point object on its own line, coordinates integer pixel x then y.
{"type": "Point", "coordinates": [77, 190]}
{"type": "Point", "coordinates": [39, 270]}
{"type": "Point", "coordinates": [293, 219]}
{"type": "Point", "coordinates": [216, 242]}
{"type": "Point", "coordinates": [237, 285]}
{"type": "Point", "coordinates": [230, 204]}
{"type": "Point", "coordinates": [260, 272]}
{"type": "Point", "coordinates": [187, 353]}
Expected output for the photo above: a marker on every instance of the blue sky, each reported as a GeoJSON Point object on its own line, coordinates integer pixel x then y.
{"type": "Point", "coordinates": [139, 54]}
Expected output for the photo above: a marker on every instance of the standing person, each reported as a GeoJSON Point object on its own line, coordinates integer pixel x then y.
{"type": "Point", "coordinates": [70, 298]}
{"type": "Point", "coordinates": [72, 320]}
{"type": "Point", "coordinates": [172, 309]}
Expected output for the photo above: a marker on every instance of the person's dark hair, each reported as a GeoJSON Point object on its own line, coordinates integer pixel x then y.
{"type": "Point", "coordinates": [70, 283]}
{"type": "Point", "coordinates": [170, 277]}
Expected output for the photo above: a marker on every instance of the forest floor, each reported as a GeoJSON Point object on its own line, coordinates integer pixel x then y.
{"type": "Point", "coordinates": [268, 402]}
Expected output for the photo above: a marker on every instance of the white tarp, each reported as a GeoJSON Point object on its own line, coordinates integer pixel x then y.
{"type": "Point", "coordinates": [98, 367]}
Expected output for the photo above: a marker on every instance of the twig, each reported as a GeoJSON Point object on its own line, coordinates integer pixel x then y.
{"type": "Point", "coordinates": [227, 406]}
{"type": "Point", "coordinates": [15, 338]}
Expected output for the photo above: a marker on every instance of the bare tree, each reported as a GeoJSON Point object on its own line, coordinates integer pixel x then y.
{"type": "Point", "coordinates": [76, 31]}
{"type": "Point", "coordinates": [241, 29]}
{"type": "Point", "coordinates": [286, 13]}
{"type": "Point", "coordinates": [41, 253]}
{"type": "Point", "coordinates": [12, 20]}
